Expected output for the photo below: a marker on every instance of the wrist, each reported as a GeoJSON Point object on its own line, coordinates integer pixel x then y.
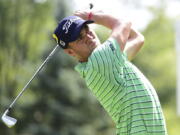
{"type": "Point", "coordinates": [90, 15]}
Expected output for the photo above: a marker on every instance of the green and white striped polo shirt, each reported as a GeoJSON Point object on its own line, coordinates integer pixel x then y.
{"type": "Point", "coordinates": [123, 91]}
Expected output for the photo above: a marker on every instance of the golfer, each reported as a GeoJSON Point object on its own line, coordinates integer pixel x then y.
{"type": "Point", "coordinates": [124, 92]}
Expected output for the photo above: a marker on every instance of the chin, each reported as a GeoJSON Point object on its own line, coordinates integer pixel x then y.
{"type": "Point", "coordinates": [94, 46]}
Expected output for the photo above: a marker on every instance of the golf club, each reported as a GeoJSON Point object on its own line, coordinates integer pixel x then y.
{"type": "Point", "coordinates": [10, 121]}
{"type": "Point", "coordinates": [91, 5]}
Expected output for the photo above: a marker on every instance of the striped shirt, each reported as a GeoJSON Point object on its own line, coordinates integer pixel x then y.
{"type": "Point", "coordinates": [123, 91]}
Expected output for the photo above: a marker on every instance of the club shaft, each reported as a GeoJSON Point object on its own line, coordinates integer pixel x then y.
{"type": "Point", "coordinates": [37, 71]}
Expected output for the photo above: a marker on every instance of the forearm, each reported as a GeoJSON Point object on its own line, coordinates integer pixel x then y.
{"type": "Point", "coordinates": [101, 18]}
{"type": "Point", "coordinates": [120, 29]}
{"type": "Point", "coordinates": [134, 43]}
{"type": "Point", "coordinates": [106, 20]}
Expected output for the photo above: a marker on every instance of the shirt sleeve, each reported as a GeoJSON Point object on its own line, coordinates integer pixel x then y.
{"type": "Point", "coordinates": [114, 44]}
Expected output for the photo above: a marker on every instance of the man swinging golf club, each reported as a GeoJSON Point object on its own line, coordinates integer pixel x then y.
{"type": "Point", "coordinates": [124, 92]}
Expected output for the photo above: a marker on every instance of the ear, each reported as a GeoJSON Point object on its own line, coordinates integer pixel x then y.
{"type": "Point", "coordinates": [70, 52]}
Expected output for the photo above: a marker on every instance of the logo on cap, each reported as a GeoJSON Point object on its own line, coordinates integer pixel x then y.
{"type": "Point", "coordinates": [68, 24]}
{"type": "Point", "coordinates": [62, 43]}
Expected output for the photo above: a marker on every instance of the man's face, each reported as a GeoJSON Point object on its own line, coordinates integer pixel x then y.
{"type": "Point", "coordinates": [84, 45]}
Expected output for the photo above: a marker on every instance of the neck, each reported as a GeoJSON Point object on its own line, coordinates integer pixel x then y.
{"type": "Point", "coordinates": [83, 60]}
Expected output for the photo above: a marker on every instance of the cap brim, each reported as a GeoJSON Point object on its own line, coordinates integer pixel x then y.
{"type": "Point", "coordinates": [88, 22]}
{"type": "Point", "coordinates": [78, 29]}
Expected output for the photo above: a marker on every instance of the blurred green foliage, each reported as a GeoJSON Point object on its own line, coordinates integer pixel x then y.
{"type": "Point", "coordinates": [157, 58]}
{"type": "Point", "coordinates": [58, 101]}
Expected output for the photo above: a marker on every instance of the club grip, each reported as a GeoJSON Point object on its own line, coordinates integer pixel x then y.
{"type": "Point", "coordinates": [91, 5]}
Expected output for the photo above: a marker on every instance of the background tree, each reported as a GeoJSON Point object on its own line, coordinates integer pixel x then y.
{"type": "Point", "coordinates": [24, 28]}
{"type": "Point", "coordinates": [159, 55]}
